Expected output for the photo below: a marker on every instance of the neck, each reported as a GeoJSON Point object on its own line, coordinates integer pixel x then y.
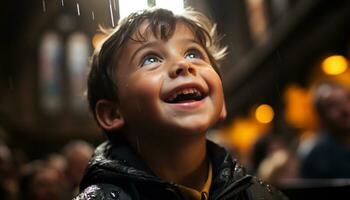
{"type": "Point", "coordinates": [180, 160]}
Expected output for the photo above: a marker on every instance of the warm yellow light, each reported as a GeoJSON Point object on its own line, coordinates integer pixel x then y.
{"type": "Point", "coordinates": [299, 109]}
{"type": "Point", "coordinates": [264, 113]}
{"type": "Point", "coordinates": [244, 132]}
{"type": "Point", "coordinates": [97, 39]}
{"type": "Point", "coordinates": [128, 6]}
{"type": "Point", "coordinates": [176, 6]}
{"type": "Point", "coordinates": [334, 65]}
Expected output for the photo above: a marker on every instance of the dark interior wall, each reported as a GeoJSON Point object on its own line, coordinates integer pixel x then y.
{"type": "Point", "coordinates": [295, 43]}
{"type": "Point", "coordinates": [23, 123]}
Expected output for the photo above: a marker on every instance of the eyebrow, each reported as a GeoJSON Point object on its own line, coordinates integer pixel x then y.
{"type": "Point", "coordinates": [193, 41]}
{"type": "Point", "coordinates": [146, 45]}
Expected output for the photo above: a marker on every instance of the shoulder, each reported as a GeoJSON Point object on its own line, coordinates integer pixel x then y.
{"type": "Point", "coordinates": [261, 190]}
{"type": "Point", "coordinates": [103, 191]}
{"type": "Point", "coordinates": [323, 148]}
{"type": "Point", "coordinates": [257, 189]}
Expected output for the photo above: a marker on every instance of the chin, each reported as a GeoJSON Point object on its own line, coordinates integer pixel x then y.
{"type": "Point", "coordinates": [195, 128]}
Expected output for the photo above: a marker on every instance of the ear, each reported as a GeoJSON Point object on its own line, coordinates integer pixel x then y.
{"type": "Point", "coordinates": [223, 112]}
{"type": "Point", "coordinates": [108, 115]}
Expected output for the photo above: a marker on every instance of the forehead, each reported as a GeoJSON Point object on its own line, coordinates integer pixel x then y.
{"type": "Point", "coordinates": [145, 36]}
{"type": "Point", "coordinates": [164, 32]}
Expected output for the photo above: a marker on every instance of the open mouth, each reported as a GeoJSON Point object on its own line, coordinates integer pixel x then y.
{"type": "Point", "coordinates": [185, 95]}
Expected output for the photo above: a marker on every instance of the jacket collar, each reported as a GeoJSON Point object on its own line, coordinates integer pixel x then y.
{"type": "Point", "coordinates": [117, 161]}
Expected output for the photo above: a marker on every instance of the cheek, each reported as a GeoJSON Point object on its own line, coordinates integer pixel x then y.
{"type": "Point", "coordinates": [216, 90]}
{"type": "Point", "coordinates": [140, 91]}
{"type": "Point", "coordinates": [213, 81]}
{"type": "Point", "coordinates": [147, 86]}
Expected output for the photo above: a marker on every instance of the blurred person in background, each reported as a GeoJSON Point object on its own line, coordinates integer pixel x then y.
{"type": "Point", "coordinates": [279, 167]}
{"type": "Point", "coordinates": [58, 162]}
{"type": "Point", "coordinates": [8, 181]}
{"type": "Point", "coordinates": [41, 181]}
{"type": "Point", "coordinates": [330, 155]}
{"type": "Point", "coordinates": [77, 154]}
{"type": "Point", "coordinates": [264, 147]}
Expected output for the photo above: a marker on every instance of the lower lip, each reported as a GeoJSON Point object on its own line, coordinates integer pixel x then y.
{"type": "Point", "coordinates": [188, 105]}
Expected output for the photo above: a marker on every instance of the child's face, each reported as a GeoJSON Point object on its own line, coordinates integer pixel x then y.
{"type": "Point", "coordinates": [168, 86]}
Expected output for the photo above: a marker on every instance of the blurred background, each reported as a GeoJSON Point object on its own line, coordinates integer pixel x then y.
{"type": "Point", "coordinates": [280, 51]}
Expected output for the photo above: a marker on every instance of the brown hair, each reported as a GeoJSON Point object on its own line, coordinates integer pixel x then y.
{"type": "Point", "coordinates": [162, 23]}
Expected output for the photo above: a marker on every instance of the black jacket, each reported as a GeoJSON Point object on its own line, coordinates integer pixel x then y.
{"type": "Point", "coordinates": [116, 172]}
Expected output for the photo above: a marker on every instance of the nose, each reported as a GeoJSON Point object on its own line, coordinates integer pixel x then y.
{"type": "Point", "coordinates": [182, 68]}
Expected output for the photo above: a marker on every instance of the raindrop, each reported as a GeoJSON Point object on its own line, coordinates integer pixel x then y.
{"type": "Point", "coordinates": [115, 194]}
{"type": "Point", "coordinates": [62, 2]}
{"type": "Point", "coordinates": [91, 195]}
{"type": "Point", "coordinates": [93, 15]}
{"type": "Point", "coordinates": [111, 11]}
{"type": "Point", "coordinates": [78, 9]}
{"type": "Point", "coordinates": [44, 5]}
{"type": "Point", "coordinates": [98, 159]}
{"type": "Point", "coordinates": [115, 5]}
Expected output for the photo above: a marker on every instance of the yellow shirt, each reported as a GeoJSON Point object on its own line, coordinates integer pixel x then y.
{"type": "Point", "coordinates": [193, 194]}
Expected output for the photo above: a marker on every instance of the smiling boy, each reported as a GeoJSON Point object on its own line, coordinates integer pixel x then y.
{"type": "Point", "coordinates": [155, 89]}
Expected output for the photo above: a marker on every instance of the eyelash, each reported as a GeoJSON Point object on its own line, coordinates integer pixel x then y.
{"type": "Point", "coordinates": [150, 56]}
{"type": "Point", "coordinates": [197, 52]}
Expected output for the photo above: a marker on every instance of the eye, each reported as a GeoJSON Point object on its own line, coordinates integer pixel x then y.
{"type": "Point", "coordinates": [150, 60]}
{"type": "Point", "coordinates": [193, 54]}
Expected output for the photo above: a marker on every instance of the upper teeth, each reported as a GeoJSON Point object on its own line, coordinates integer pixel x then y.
{"type": "Point", "coordinates": [185, 91]}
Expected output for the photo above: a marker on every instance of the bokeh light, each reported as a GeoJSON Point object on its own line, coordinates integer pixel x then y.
{"type": "Point", "coordinates": [264, 113]}
{"type": "Point", "coordinates": [334, 65]}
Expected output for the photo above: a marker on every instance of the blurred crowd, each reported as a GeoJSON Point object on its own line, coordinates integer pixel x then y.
{"type": "Point", "coordinates": [322, 156]}
{"type": "Point", "coordinates": [274, 158]}
{"type": "Point", "coordinates": [55, 177]}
